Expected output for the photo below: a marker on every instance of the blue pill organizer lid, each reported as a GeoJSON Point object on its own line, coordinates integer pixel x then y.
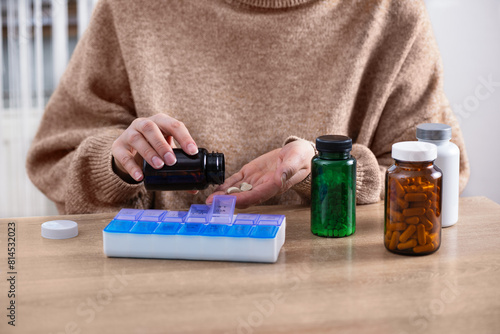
{"type": "Point", "coordinates": [216, 220]}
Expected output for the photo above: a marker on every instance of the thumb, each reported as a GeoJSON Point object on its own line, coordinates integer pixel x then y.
{"type": "Point", "coordinates": [286, 171]}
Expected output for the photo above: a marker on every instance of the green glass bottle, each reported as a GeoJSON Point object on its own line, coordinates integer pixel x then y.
{"type": "Point", "coordinates": [333, 188]}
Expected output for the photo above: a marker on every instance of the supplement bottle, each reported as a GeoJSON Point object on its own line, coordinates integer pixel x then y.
{"type": "Point", "coordinates": [190, 172]}
{"type": "Point", "coordinates": [413, 200]}
{"type": "Point", "coordinates": [448, 160]}
{"type": "Point", "coordinates": [333, 188]}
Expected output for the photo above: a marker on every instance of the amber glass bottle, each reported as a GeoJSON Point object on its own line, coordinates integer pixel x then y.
{"type": "Point", "coordinates": [413, 200]}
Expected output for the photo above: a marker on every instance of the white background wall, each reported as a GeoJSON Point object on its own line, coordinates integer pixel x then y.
{"type": "Point", "coordinates": [468, 34]}
{"type": "Point", "coordinates": [36, 39]}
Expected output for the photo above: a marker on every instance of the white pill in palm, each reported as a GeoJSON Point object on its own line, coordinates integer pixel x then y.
{"type": "Point", "coordinates": [245, 186]}
{"type": "Point", "coordinates": [233, 190]}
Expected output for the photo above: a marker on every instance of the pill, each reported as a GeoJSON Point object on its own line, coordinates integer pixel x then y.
{"type": "Point", "coordinates": [428, 204]}
{"type": "Point", "coordinates": [407, 234]}
{"type": "Point", "coordinates": [437, 211]}
{"type": "Point", "coordinates": [412, 220]}
{"type": "Point", "coordinates": [405, 182]}
{"type": "Point", "coordinates": [388, 235]}
{"type": "Point", "coordinates": [428, 239]}
{"type": "Point", "coordinates": [411, 189]}
{"type": "Point", "coordinates": [424, 248]}
{"type": "Point", "coordinates": [415, 205]}
{"type": "Point", "coordinates": [432, 196]}
{"type": "Point", "coordinates": [428, 187]}
{"type": "Point", "coordinates": [403, 204]}
{"type": "Point", "coordinates": [413, 212]}
{"type": "Point", "coordinates": [409, 244]}
{"type": "Point", "coordinates": [434, 236]}
{"type": "Point", "coordinates": [396, 216]}
{"type": "Point", "coordinates": [398, 188]}
{"type": "Point", "coordinates": [394, 241]}
{"type": "Point", "coordinates": [245, 186]}
{"type": "Point", "coordinates": [415, 197]}
{"type": "Point", "coordinates": [431, 216]}
{"type": "Point", "coordinates": [421, 234]}
{"type": "Point", "coordinates": [427, 224]}
{"type": "Point", "coordinates": [435, 207]}
{"type": "Point", "coordinates": [396, 227]}
{"type": "Point", "coordinates": [233, 190]}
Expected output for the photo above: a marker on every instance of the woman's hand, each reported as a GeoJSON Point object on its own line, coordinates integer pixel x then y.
{"type": "Point", "coordinates": [150, 138]}
{"type": "Point", "coordinates": [270, 174]}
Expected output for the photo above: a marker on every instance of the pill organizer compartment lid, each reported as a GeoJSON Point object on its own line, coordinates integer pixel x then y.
{"type": "Point", "coordinates": [152, 215]}
{"type": "Point", "coordinates": [59, 229]}
{"type": "Point", "coordinates": [416, 151]}
{"type": "Point", "coordinates": [119, 226]}
{"type": "Point", "coordinates": [129, 214]}
{"type": "Point", "coordinates": [222, 209]}
{"type": "Point", "coordinates": [246, 219]}
{"type": "Point", "coordinates": [174, 216]}
{"type": "Point", "coordinates": [433, 131]}
{"type": "Point", "coordinates": [198, 213]}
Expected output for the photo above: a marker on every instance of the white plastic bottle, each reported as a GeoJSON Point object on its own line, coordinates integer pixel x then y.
{"type": "Point", "coordinates": [448, 161]}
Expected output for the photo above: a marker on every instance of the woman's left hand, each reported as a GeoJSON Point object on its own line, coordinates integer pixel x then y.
{"type": "Point", "coordinates": [270, 174]}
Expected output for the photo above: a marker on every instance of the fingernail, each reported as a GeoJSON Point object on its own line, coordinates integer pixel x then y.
{"type": "Point", "coordinates": [283, 180]}
{"type": "Point", "coordinates": [137, 176]}
{"type": "Point", "coordinates": [157, 162]}
{"type": "Point", "coordinates": [192, 149]}
{"type": "Point", "coordinates": [170, 159]}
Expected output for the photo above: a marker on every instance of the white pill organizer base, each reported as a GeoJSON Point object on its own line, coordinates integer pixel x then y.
{"type": "Point", "coordinates": [203, 233]}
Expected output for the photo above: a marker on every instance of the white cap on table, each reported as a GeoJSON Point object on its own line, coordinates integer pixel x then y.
{"type": "Point", "coordinates": [59, 229]}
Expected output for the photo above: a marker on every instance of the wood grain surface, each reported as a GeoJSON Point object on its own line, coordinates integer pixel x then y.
{"type": "Point", "coordinates": [318, 285]}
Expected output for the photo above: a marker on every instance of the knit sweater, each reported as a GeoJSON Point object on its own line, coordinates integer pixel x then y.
{"type": "Point", "coordinates": [245, 77]}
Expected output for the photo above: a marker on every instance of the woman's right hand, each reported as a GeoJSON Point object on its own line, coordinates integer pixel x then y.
{"type": "Point", "coordinates": [152, 139]}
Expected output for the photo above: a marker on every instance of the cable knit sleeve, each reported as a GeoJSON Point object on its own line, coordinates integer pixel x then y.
{"type": "Point", "coordinates": [70, 157]}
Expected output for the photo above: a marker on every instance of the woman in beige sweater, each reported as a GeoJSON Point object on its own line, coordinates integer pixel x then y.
{"type": "Point", "coordinates": [258, 80]}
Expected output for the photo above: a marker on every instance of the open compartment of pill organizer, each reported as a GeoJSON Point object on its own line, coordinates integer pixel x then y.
{"type": "Point", "coordinates": [203, 233]}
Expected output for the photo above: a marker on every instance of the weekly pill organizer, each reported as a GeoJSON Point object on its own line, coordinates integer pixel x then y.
{"type": "Point", "coordinates": [205, 232]}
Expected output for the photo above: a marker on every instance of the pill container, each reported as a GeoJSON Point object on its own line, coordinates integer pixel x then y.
{"type": "Point", "coordinates": [190, 172]}
{"type": "Point", "coordinates": [333, 187]}
{"type": "Point", "coordinates": [448, 160]}
{"type": "Point", "coordinates": [413, 200]}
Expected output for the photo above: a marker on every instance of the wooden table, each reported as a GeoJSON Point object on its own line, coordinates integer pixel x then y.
{"type": "Point", "coordinates": [348, 285]}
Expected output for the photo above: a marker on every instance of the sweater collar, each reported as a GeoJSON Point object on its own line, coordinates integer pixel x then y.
{"type": "Point", "coordinates": [273, 3]}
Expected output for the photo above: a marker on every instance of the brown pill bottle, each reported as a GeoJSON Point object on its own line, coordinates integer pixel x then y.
{"type": "Point", "coordinates": [413, 200]}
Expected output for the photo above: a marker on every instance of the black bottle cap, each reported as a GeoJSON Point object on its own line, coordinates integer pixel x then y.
{"type": "Point", "coordinates": [216, 168]}
{"type": "Point", "coordinates": [334, 143]}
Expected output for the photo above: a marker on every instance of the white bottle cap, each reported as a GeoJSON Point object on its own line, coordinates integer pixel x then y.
{"type": "Point", "coordinates": [414, 151]}
{"type": "Point", "coordinates": [59, 229]}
